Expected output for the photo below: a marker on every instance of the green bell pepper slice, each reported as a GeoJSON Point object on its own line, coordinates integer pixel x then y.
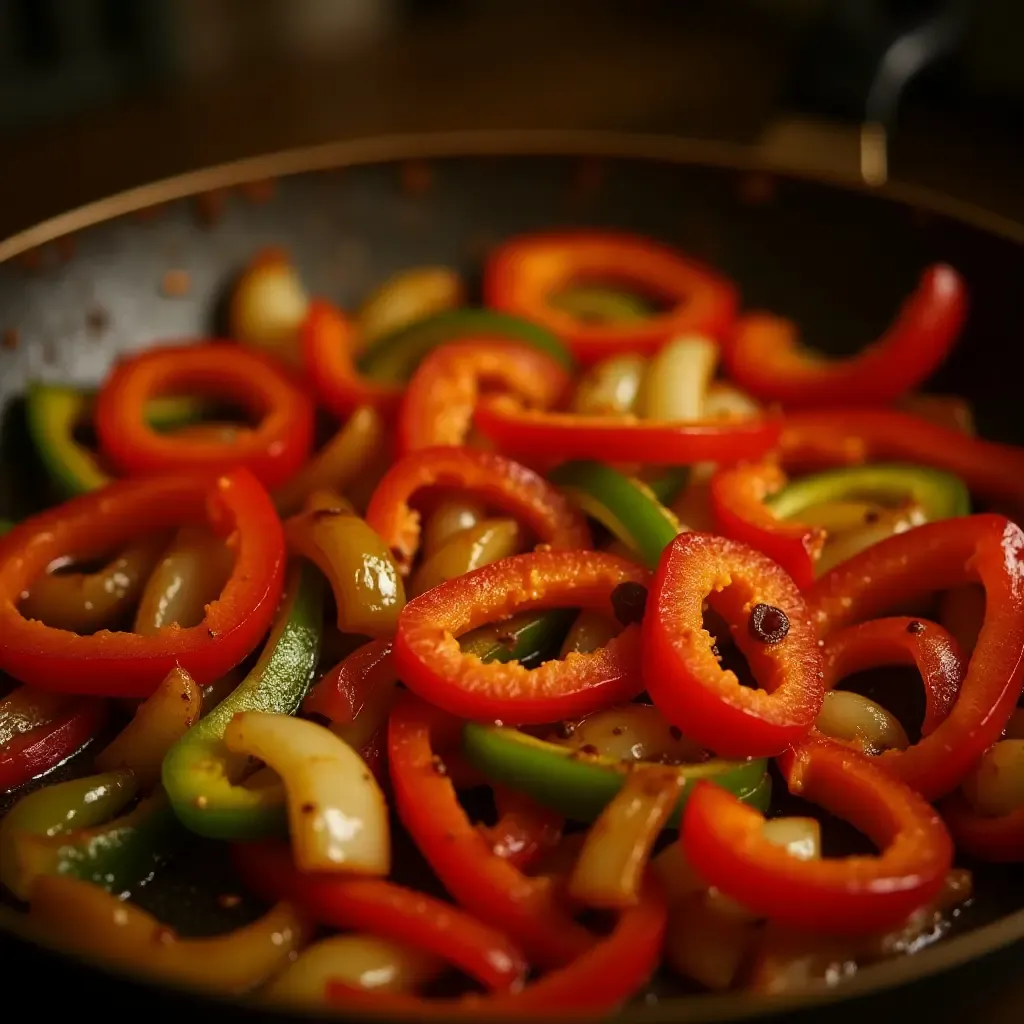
{"type": "Point", "coordinates": [520, 638]}
{"type": "Point", "coordinates": [602, 305]}
{"type": "Point", "coordinates": [70, 829]}
{"type": "Point", "coordinates": [941, 495]}
{"type": "Point", "coordinates": [55, 412]}
{"type": "Point", "coordinates": [580, 786]}
{"type": "Point", "coordinates": [5, 526]}
{"type": "Point", "coordinates": [395, 356]}
{"type": "Point", "coordinates": [666, 483]}
{"type": "Point", "coordinates": [625, 506]}
{"type": "Point", "coordinates": [201, 777]}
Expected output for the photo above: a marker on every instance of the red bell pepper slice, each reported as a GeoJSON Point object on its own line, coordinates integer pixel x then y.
{"type": "Point", "coordinates": [524, 831]}
{"type": "Point", "coordinates": [39, 730]}
{"type": "Point", "coordinates": [273, 450]}
{"type": "Point", "coordinates": [723, 841]}
{"type": "Point", "coordinates": [998, 840]}
{"type": "Point", "coordinates": [900, 641]}
{"type": "Point", "coordinates": [500, 482]}
{"type": "Point", "coordinates": [430, 662]}
{"type": "Point", "coordinates": [986, 549]}
{"type": "Point", "coordinates": [326, 338]}
{"type": "Point", "coordinates": [596, 984]}
{"type": "Point", "coordinates": [535, 434]}
{"type": "Point", "coordinates": [738, 506]}
{"type": "Point", "coordinates": [764, 356]}
{"type": "Point", "coordinates": [384, 909]}
{"type": "Point", "coordinates": [130, 664]}
{"type": "Point", "coordinates": [524, 273]}
{"type": "Point", "coordinates": [439, 401]}
{"type": "Point", "coordinates": [527, 909]}
{"type": "Point", "coordinates": [682, 673]}
{"type": "Point", "coordinates": [815, 440]}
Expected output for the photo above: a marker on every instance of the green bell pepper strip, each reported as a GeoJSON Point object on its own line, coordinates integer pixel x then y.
{"type": "Point", "coordinates": [666, 483]}
{"type": "Point", "coordinates": [199, 774]}
{"type": "Point", "coordinates": [5, 525]}
{"type": "Point", "coordinates": [580, 786]}
{"type": "Point", "coordinates": [55, 811]}
{"type": "Point", "coordinates": [602, 305]}
{"type": "Point", "coordinates": [520, 638]}
{"type": "Point", "coordinates": [54, 413]}
{"type": "Point", "coordinates": [941, 495]}
{"type": "Point", "coordinates": [395, 356]}
{"type": "Point", "coordinates": [625, 506]}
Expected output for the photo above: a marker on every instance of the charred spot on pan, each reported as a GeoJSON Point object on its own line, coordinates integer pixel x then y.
{"type": "Point", "coordinates": [97, 320]}
{"type": "Point", "coordinates": [209, 206]}
{"type": "Point", "coordinates": [11, 338]}
{"type": "Point", "coordinates": [768, 624]}
{"type": "Point", "coordinates": [629, 602]}
{"type": "Point", "coordinates": [176, 284]}
{"type": "Point", "coordinates": [417, 177]}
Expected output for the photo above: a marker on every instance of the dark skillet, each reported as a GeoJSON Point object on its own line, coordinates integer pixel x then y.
{"type": "Point", "coordinates": [78, 290]}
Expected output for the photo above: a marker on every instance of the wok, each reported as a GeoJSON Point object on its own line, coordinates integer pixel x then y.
{"type": "Point", "coordinates": [79, 290]}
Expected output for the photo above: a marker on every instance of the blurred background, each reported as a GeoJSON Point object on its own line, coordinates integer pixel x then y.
{"type": "Point", "coordinates": [98, 95]}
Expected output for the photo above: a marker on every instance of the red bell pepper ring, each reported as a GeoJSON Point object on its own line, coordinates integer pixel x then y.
{"type": "Point", "coordinates": [682, 673]}
{"type": "Point", "coordinates": [129, 664]}
{"type": "Point", "coordinates": [386, 910]}
{"type": "Point", "coordinates": [815, 440]}
{"type": "Point", "coordinates": [900, 641]}
{"type": "Point", "coordinates": [39, 730]}
{"type": "Point", "coordinates": [986, 549]}
{"type": "Point", "coordinates": [527, 909]}
{"type": "Point", "coordinates": [273, 450]}
{"type": "Point", "coordinates": [536, 434]}
{"type": "Point", "coordinates": [524, 273]}
{"type": "Point", "coordinates": [326, 338]}
{"type": "Point", "coordinates": [765, 359]}
{"type": "Point", "coordinates": [439, 401]}
{"type": "Point", "coordinates": [723, 840]}
{"type": "Point", "coordinates": [524, 831]}
{"type": "Point", "coordinates": [430, 662]}
{"type": "Point", "coordinates": [997, 840]}
{"type": "Point", "coordinates": [500, 482]}
{"type": "Point", "coordinates": [594, 985]}
{"type": "Point", "coordinates": [738, 494]}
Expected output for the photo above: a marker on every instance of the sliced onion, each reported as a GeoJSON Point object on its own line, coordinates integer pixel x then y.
{"type": "Point", "coordinates": [846, 545]}
{"type": "Point", "coordinates": [409, 296]}
{"type": "Point", "coordinates": [706, 945]}
{"type": "Point", "coordinates": [611, 864]}
{"type": "Point", "coordinates": [611, 387]}
{"type": "Point", "coordinates": [633, 732]}
{"type": "Point", "coordinates": [801, 837]}
{"type": "Point", "coordinates": [851, 717]}
{"type": "Point", "coordinates": [996, 785]}
{"type": "Point", "coordinates": [488, 541]}
{"type": "Point", "coordinates": [450, 517]}
{"type": "Point", "coordinates": [337, 815]}
{"type": "Point", "coordinates": [268, 306]}
{"type": "Point", "coordinates": [727, 402]}
{"type": "Point", "coordinates": [591, 631]}
{"type": "Point", "coordinates": [678, 378]}
{"type": "Point", "coordinates": [363, 961]}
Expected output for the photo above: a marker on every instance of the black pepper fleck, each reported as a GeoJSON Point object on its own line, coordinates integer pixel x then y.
{"type": "Point", "coordinates": [675, 732]}
{"type": "Point", "coordinates": [309, 808]}
{"type": "Point", "coordinates": [589, 748]}
{"type": "Point", "coordinates": [629, 602]}
{"type": "Point", "coordinates": [915, 627]}
{"type": "Point", "coordinates": [768, 624]}
{"type": "Point", "coordinates": [617, 731]}
{"type": "Point", "coordinates": [871, 516]}
{"type": "Point", "coordinates": [564, 730]}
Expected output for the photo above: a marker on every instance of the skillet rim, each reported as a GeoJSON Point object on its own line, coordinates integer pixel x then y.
{"type": "Point", "coordinates": [646, 148]}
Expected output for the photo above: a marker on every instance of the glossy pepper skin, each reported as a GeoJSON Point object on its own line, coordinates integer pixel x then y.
{"type": "Point", "coordinates": [199, 774]}
{"type": "Point", "coordinates": [681, 672]}
{"type": "Point", "coordinates": [438, 405]}
{"type": "Point", "coordinates": [523, 273]}
{"type": "Point", "coordinates": [384, 909]}
{"type": "Point", "coordinates": [900, 640]}
{"type": "Point", "coordinates": [723, 840]}
{"type": "Point", "coordinates": [500, 482]}
{"type": "Point", "coordinates": [430, 662]}
{"type": "Point", "coordinates": [764, 358]}
{"type": "Point", "coordinates": [272, 450]}
{"type": "Point", "coordinates": [527, 909]}
{"type": "Point", "coordinates": [546, 436]}
{"type": "Point", "coordinates": [597, 983]}
{"type": "Point", "coordinates": [986, 549]}
{"type": "Point", "coordinates": [740, 504]}
{"type": "Point", "coordinates": [129, 664]}
{"type": "Point", "coordinates": [814, 439]}
{"type": "Point", "coordinates": [40, 729]}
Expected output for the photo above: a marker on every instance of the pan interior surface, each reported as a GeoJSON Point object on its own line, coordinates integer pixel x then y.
{"type": "Point", "coordinates": [837, 261]}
